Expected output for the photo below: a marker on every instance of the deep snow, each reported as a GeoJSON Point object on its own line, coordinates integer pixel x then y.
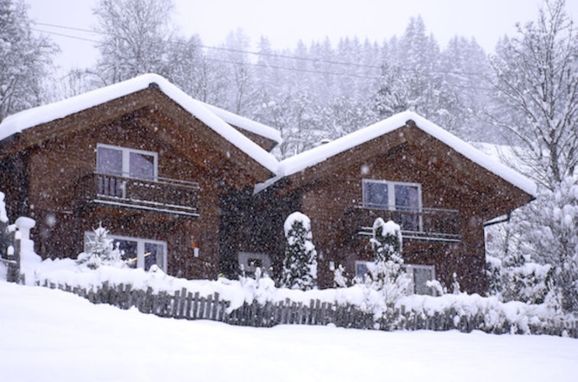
{"type": "Point", "coordinates": [48, 335]}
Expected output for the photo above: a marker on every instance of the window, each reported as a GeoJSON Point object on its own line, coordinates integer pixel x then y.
{"type": "Point", "coordinates": [139, 253]}
{"type": "Point", "coordinates": [395, 196]}
{"type": "Point", "coordinates": [418, 274]}
{"type": "Point", "coordinates": [122, 161]}
{"type": "Point", "coordinates": [362, 268]}
{"type": "Point", "coordinates": [251, 261]}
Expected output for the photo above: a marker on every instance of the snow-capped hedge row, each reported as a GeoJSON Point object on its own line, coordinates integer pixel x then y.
{"type": "Point", "coordinates": [451, 311]}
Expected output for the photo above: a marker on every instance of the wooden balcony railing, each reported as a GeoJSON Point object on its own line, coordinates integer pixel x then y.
{"type": "Point", "coordinates": [430, 224]}
{"type": "Point", "coordinates": [160, 195]}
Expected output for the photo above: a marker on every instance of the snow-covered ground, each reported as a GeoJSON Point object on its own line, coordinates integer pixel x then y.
{"type": "Point", "coordinates": [48, 335]}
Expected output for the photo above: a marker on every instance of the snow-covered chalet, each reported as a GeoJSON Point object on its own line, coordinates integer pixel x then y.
{"type": "Point", "coordinates": [195, 190]}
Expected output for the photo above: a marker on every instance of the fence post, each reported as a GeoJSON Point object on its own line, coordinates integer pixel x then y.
{"type": "Point", "coordinates": [13, 263]}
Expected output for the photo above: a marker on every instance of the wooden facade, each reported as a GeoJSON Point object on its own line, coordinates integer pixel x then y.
{"type": "Point", "coordinates": [457, 197]}
{"type": "Point", "coordinates": [49, 173]}
{"type": "Point", "coordinates": [202, 206]}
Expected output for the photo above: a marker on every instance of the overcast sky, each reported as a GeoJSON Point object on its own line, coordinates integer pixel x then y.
{"type": "Point", "coordinates": [287, 21]}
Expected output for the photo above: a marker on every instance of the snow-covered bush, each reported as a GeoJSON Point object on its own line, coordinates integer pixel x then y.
{"type": "Point", "coordinates": [3, 223]}
{"type": "Point", "coordinates": [550, 235]}
{"type": "Point", "coordinates": [300, 264]}
{"type": "Point", "coordinates": [100, 250]}
{"type": "Point", "coordinates": [517, 278]}
{"type": "Point", "coordinates": [339, 278]}
{"type": "Point", "coordinates": [3, 215]}
{"type": "Point", "coordinates": [386, 274]}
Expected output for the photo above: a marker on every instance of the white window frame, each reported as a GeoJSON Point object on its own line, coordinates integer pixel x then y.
{"type": "Point", "coordinates": [390, 192]}
{"type": "Point", "coordinates": [125, 172]}
{"type": "Point", "coordinates": [391, 197]}
{"type": "Point", "coordinates": [243, 258]}
{"type": "Point", "coordinates": [409, 268]}
{"type": "Point", "coordinates": [140, 245]}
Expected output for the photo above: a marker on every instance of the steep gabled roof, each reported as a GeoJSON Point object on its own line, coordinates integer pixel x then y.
{"type": "Point", "coordinates": [214, 118]}
{"type": "Point", "coordinates": [246, 123]}
{"type": "Point", "coordinates": [310, 158]}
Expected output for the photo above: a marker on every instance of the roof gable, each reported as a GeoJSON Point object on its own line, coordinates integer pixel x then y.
{"type": "Point", "coordinates": [19, 122]}
{"type": "Point", "coordinates": [317, 155]}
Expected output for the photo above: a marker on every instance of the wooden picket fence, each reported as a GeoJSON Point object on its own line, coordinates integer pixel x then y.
{"type": "Point", "coordinates": [191, 306]}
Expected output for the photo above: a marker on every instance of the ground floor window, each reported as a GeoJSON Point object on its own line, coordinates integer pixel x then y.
{"type": "Point", "coordinates": [249, 262]}
{"type": "Point", "coordinates": [419, 275]}
{"type": "Point", "coordinates": [138, 252]}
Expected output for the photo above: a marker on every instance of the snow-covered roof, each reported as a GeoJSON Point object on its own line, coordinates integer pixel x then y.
{"type": "Point", "coordinates": [318, 154]}
{"type": "Point", "coordinates": [214, 118]}
{"type": "Point", "coordinates": [246, 123]}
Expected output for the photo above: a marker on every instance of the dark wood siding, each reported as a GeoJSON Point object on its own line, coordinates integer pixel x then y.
{"type": "Point", "coordinates": [331, 189]}
{"type": "Point", "coordinates": [46, 165]}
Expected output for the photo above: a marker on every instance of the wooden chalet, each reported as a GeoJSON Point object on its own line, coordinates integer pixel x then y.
{"type": "Point", "coordinates": [441, 191]}
{"type": "Point", "coordinates": [193, 188]}
{"type": "Point", "coordinates": [142, 158]}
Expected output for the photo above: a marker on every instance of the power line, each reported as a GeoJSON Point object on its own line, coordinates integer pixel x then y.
{"type": "Point", "coordinates": [275, 55]}
{"type": "Point", "coordinates": [67, 27]}
{"type": "Point", "coordinates": [230, 62]}
{"type": "Point", "coordinates": [66, 35]}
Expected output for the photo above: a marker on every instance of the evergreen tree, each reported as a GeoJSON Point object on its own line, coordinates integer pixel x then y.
{"type": "Point", "coordinates": [386, 274]}
{"type": "Point", "coordinates": [300, 264]}
{"type": "Point", "coordinates": [100, 250]}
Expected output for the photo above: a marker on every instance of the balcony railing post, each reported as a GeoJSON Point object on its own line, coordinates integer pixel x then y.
{"type": "Point", "coordinates": [425, 224]}
{"type": "Point", "coordinates": [164, 195]}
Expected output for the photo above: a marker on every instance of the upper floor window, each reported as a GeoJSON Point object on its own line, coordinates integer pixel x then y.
{"type": "Point", "coordinates": [122, 161]}
{"type": "Point", "coordinates": [395, 196]}
{"type": "Point", "coordinates": [391, 195]}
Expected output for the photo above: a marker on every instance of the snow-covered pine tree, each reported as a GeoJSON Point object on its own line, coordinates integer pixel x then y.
{"type": "Point", "coordinates": [386, 274]}
{"type": "Point", "coordinates": [100, 250]}
{"type": "Point", "coordinates": [300, 264]}
{"type": "Point", "coordinates": [386, 241]}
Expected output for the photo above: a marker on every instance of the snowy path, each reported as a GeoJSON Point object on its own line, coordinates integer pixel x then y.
{"type": "Point", "coordinates": [47, 335]}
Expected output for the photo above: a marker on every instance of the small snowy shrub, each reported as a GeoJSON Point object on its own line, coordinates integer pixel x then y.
{"type": "Point", "coordinates": [339, 278]}
{"type": "Point", "coordinates": [524, 280]}
{"type": "Point", "coordinates": [100, 251]}
{"type": "Point", "coordinates": [300, 264]}
{"type": "Point", "coordinates": [456, 288]}
{"type": "Point", "coordinates": [3, 215]}
{"type": "Point", "coordinates": [386, 274]}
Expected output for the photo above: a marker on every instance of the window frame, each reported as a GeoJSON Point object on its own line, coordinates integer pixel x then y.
{"type": "Point", "coordinates": [391, 206]}
{"type": "Point", "coordinates": [406, 267]}
{"type": "Point", "coordinates": [243, 260]}
{"type": "Point", "coordinates": [140, 262]}
{"type": "Point", "coordinates": [391, 198]}
{"type": "Point", "coordinates": [126, 151]}
{"type": "Point", "coordinates": [412, 267]}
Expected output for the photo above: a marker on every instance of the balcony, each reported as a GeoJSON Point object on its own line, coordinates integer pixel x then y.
{"type": "Point", "coordinates": [161, 195]}
{"type": "Point", "coordinates": [427, 224]}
